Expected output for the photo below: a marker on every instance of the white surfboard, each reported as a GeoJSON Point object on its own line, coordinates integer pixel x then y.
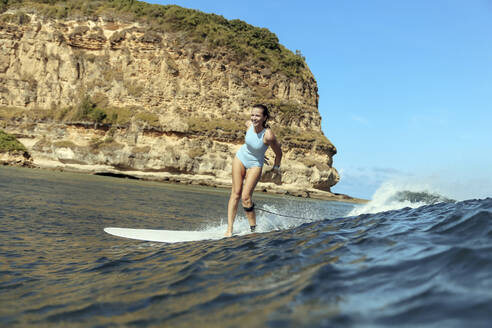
{"type": "Point", "coordinates": [164, 236]}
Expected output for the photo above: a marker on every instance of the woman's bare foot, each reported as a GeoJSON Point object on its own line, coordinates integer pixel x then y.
{"type": "Point", "coordinates": [228, 233]}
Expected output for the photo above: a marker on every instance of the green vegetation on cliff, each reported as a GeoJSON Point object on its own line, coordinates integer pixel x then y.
{"type": "Point", "coordinates": [9, 143]}
{"type": "Point", "coordinates": [202, 125]}
{"type": "Point", "coordinates": [246, 42]}
{"type": "Point", "coordinates": [88, 111]}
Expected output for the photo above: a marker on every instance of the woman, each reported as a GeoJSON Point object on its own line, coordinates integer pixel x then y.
{"type": "Point", "coordinates": [248, 163]}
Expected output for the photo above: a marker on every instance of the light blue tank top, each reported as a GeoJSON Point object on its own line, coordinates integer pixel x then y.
{"type": "Point", "coordinates": [252, 153]}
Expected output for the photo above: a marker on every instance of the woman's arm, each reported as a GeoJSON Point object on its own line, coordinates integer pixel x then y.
{"type": "Point", "coordinates": [272, 141]}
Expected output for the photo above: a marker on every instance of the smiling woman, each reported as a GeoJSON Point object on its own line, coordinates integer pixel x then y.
{"type": "Point", "coordinates": [248, 163]}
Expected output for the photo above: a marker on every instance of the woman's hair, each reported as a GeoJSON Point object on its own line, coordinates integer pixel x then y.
{"type": "Point", "coordinates": [266, 113]}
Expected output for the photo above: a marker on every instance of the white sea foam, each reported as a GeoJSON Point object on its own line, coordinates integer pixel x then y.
{"type": "Point", "coordinates": [393, 195]}
{"type": "Point", "coordinates": [266, 222]}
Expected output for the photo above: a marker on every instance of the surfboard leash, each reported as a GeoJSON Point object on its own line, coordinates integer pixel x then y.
{"type": "Point", "coordinates": [284, 215]}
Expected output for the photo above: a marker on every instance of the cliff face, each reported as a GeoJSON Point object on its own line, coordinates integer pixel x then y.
{"type": "Point", "coordinates": [109, 95]}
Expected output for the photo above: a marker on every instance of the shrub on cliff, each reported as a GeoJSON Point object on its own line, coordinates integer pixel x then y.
{"type": "Point", "coordinates": [9, 143]}
{"type": "Point", "coordinates": [150, 119]}
{"type": "Point", "coordinates": [88, 111]}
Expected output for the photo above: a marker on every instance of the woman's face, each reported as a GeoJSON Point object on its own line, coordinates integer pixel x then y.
{"type": "Point", "coordinates": [257, 117]}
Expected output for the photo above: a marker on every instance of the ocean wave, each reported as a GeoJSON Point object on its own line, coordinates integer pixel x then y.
{"type": "Point", "coordinates": [393, 195]}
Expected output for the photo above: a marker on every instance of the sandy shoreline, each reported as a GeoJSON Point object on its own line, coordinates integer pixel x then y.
{"type": "Point", "coordinates": [186, 179]}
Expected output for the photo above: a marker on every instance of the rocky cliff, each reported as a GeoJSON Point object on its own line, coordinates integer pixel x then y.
{"type": "Point", "coordinates": [111, 93]}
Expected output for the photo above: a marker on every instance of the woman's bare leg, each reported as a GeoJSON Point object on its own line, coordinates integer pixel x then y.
{"type": "Point", "coordinates": [252, 177]}
{"type": "Point", "coordinates": [238, 173]}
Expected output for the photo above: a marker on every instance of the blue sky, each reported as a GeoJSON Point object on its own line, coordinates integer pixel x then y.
{"type": "Point", "coordinates": [405, 86]}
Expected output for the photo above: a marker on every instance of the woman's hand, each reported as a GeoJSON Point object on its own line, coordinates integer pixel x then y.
{"type": "Point", "coordinates": [273, 175]}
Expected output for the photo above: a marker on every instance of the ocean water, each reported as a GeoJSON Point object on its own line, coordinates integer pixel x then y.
{"type": "Point", "coordinates": [406, 259]}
